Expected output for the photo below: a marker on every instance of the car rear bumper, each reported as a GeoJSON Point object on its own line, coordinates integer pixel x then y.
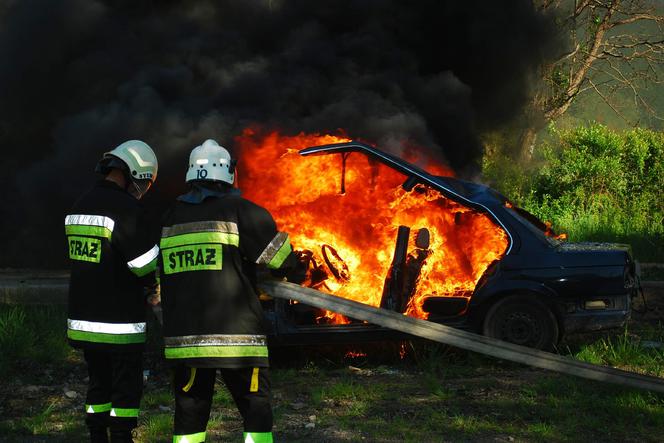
{"type": "Point", "coordinates": [589, 315]}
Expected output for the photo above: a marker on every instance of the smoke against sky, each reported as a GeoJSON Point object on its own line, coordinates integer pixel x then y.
{"type": "Point", "coordinates": [81, 76]}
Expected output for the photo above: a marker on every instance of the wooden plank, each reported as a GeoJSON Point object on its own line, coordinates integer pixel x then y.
{"type": "Point", "coordinates": [461, 339]}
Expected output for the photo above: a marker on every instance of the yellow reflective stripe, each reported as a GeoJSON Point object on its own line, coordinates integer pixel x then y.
{"type": "Point", "coordinates": [216, 340]}
{"type": "Point", "coordinates": [253, 387]}
{"type": "Point", "coordinates": [280, 256]}
{"type": "Point", "coordinates": [124, 412]}
{"type": "Point", "coordinates": [190, 383]}
{"type": "Point", "coordinates": [198, 437]}
{"type": "Point", "coordinates": [95, 409]}
{"type": "Point", "coordinates": [113, 333]}
{"type": "Point", "coordinates": [215, 351]}
{"type": "Point", "coordinates": [92, 231]}
{"type": "Point", "coordinates": [257, 437]}
{"type": "Point", "coordinates": [116, 339]}
{"type": "Point", "coordinates": [200, 226]}
{"type": "Point", "coordinates": [200, 237]}
{"type": "Point", "coordinates": [145, 270]}
{"type": "Point", "coordinates": [89, 225]}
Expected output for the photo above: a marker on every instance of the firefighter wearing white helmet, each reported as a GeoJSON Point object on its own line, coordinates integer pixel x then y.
{"type": "Point", "coordinates": [138, 163]}
{"type": "Point", "coordinates": [210, 161]}
{"type": "Point", "coordinates": [211, 243]}
{"type": "Point", "coordinates": [113, 258]}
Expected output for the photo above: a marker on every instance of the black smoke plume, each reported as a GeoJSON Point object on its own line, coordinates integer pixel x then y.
{"type": "Point", "coordinates": [78, 77]}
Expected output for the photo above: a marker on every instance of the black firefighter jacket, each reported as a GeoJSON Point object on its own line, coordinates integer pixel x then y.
{"type": "Point", "coordinates": [112, 258]}
{"type": "Point", "coordinates": [209, 253]}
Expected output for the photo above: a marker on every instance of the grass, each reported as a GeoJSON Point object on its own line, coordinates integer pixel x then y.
{"type": "Point", "coordinates": [156, 427]}
{"type": "Point", "coordinates": [49, 418]}
{"type": "Point", "coordinates": [485, 401]}
{"type": "Point", "coordinates": [627, 351]}
{"type": "Point", "coordinates": [32, 335]}
{"type": "Point", "coordinates": [437, 393]}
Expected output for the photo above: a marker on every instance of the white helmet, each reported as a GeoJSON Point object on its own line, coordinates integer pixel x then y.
{"type": "Point", "coordinates": [139, 158]}
{"type": "Point", "coordinates": [138, 162]}
{"type": "Point", "coordinates": [210, 161]}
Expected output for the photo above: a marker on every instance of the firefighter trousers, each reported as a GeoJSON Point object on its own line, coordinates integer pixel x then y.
{"type": "Point", "coordinates": [114, 389]}
{"type": "Point", "coordinates": [194, 388]}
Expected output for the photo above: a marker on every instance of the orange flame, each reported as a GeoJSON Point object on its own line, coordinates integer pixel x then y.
{"type": "Point", "coordinates": [549, 232]}
{"type": "Point", "coordinates": [355, 354]}
{"type": "Point", "coordinates": [355, 231]}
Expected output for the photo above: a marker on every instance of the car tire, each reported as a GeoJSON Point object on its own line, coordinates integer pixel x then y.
{"type": "Point", "coordinates": [522, 320]}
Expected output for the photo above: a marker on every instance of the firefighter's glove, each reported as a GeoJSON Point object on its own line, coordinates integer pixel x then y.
{"type": "Point", "coordinates": [298, 273]}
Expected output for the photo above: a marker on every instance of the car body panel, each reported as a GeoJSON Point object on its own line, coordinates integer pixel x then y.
{"type": "Point", "coordinates": [568, 277]}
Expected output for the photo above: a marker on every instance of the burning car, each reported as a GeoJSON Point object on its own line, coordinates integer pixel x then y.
{"type": "Point", "coordinates": [374, 228]}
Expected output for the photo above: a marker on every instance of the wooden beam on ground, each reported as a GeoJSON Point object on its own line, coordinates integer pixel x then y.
{"type": "Point", "coordinates": [461, 339]}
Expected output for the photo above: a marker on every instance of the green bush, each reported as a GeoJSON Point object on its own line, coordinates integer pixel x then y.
{"type": "Point", "coordinates": [595, 184]}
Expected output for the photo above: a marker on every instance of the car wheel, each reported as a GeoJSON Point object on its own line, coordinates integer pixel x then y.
{"type": "Point", "coordinates": [524, 321]}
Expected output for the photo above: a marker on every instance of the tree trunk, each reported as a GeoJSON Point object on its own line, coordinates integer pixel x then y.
{"type": "Point", "coordinates": [527, 143]}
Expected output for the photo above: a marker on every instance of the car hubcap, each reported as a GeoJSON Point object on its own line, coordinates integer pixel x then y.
{"type": "Point", "coordinates": [521, 328]}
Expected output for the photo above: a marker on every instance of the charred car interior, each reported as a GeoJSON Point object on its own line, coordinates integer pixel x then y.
{"type": "Point", "coordinates": [379, 230]}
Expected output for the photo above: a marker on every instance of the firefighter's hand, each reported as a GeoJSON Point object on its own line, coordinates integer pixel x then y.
{"type": "Point", "coordinates": [153, 295]}
{"type": "Point", "coordinates": [298, 273]}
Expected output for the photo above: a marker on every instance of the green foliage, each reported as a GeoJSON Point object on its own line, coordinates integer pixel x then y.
{"type": "Point", "coordinates": [31, 335]}
{"type": "Point", "coordinates": [595, 184]}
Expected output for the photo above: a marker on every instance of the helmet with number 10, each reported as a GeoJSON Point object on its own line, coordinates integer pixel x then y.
{"type": "Point", "coordinates": [211, 162]}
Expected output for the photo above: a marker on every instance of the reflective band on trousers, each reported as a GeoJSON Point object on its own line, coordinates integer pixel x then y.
{"type": "Point", "coordinates": [276, 251]}
{"type": "Point", "coordinates": [95, 225]}
{"type": "Point", "coordinates": [95, 409]}
{"type": "Point", "coordinates": [257, 437]}
{"type": "Point", "coordinates": [190, 438]}
{"type": "Point", "coordinates": [146, 263]}
{"type": "Point", "coordinates": [124, 412]}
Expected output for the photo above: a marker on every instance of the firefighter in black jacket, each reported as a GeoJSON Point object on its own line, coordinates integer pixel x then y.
{"type": "Point", "coordinates": [112, 259]}
{"type": "Point", "coordinates": [212, 240]}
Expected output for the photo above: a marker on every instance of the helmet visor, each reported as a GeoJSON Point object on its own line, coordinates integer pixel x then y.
{"type": "Point", "coordinates": [138, 188]}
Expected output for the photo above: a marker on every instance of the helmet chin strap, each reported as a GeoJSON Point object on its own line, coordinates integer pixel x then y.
{"type": "Point", "coordinates": [137, 190]}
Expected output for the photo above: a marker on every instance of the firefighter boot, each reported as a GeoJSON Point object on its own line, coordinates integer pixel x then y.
{"type": "Point", "coordinates": [98, 435]}
{"type": "Point", "coordinates": [121, 436]}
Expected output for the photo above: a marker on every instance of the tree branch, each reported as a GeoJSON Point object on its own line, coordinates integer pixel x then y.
{"type": "Point", "coordinates": [607, 101]}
